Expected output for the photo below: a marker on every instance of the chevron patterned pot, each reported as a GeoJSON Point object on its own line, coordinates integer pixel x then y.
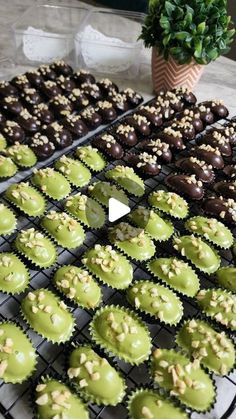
{"type": "Point", "coordinates": [169, 74]}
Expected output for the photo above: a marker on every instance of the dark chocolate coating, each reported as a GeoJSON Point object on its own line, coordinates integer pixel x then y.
{"type": "Point", "coordinates": [144, 163]}
{"type": "Point", "coordinates": [209, 155]}
{"type": "Point", "coordinates": [13, 132]}
{"type": "Point", "coordinates": [28, 122]}
{"type": "Point", "coordinates": [126, 135]}
{"type": "Point", "coordinates": [140, 124]}
{"type": "Point", "coordinates": [186, 185]}
{"type": "Point", "coordinates": [187, 96]}
{"type": "Point", "coordinates": [132, 97]}
{"type": "Point", "coordinates": [218, 108]}
{"type": "Point", "coordinates": [60, 136]}
{"type": "Point", "coordinates": [92, 91]}
{"type": "Point", "coordinates": [47, 72]}
{"type": "Point", "coordinates": [83, 76]}
{"type": "Point", "coordinates": [107, 111]}
{"type": "Point", "coordinates": [187, 130]}
{"type": "Point", "coordinates": [60, 105]}
{"type": "Point", "coordinates": [198, 125]}
{"type": "Point", "coordinates": [75, 125]}
{"type": "Point", "coordinates": [206, 115]}
{"type": "Point", "coordinates": [6, 89]}
{"type": "Point", "coordinates": [230, 132]}
{"type": "Point", "coordinates": [157, 148]}
{"type": "Point", "coordinates": [60, 67]}
{"type": "Point", "coordinates": [175, 141]}
{"type": "Point", "coordinates": [11, 105]}
{"type": "Point", "coordinates": [50, 89]}
{"type": "Point", "coordinates": [230, 171]}
{"type": "Point", "coordinates": [222, 143]}
{"type": "Point", "coordinates": [66, 84]}
{"type": "Point", "coordinates": [221, 208]}
{"type": "Point", "coordinates": [226, 189]}
{"type": "Point", "coordinates": [196, 167]}
{"type": "Point", "coordinates": [78, 99]}
{"type": "Point", "coordinates": [106, 86]}
{"type": "Point", "coordinates": [35, 78]}
{"type": "Point", "coordinates": [2, 119]}
{"type": "Point", "coordinates": [153, 116]}
{"type": "Point", "coordinates": [119, 102]}
{"type": "Point", "coordinates": [91, 118]}
{"type": "Point", "coordinates": [42, 147]}
{"type": "Point", "coordinates": [21, 82]}
{"type": "Point", "coordinates": [43, 113]}
{"type": "Point", "coordinates": [31, 97]}
{"type": "Point", "coordinates": [107, 144]}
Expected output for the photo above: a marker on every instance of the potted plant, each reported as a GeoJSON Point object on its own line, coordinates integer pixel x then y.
{"type": "Point", "coordinates": [185, 35]}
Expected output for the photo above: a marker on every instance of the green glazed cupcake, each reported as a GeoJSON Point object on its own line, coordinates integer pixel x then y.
{"type": "Point", "coordinates": [169, 203]}
{"type": "Point", "coordinates": [77, 285]}
{"type": "Point", "coordinates": [183, 379]}
{"type": "Point", "coordinates": [65, 230]}
{"type": "Point", "coordinates": [7, 167]}
{"type": "Point", "coordinates": [219, 305]}
{"type": "Point", "coordinates": [148, 404]}
{"type": "Point", "coordinates": [212, 230]}
{"type": "Point", "coordinates": [86, 210]}
{"type": "Point", "coordinates": [91, 157]}
{"type": "Point", "coordinates": [26, 198]}
{"type": "Point", "coordinates": [214, 350]}
{"type": "Point", "coordinates": [121, 332]}
{"type": "Point", "coordinates": [22, 155]}
{"type": "Point", "coordinates": [156, 301]}
{"type": "Point", "coordinates": [51, 183]}
{"type": "Point", "coordinates": [126, 178]}
{"type": "Point", "coordinates": [3, 142]}
{"type": "Point", "coordinates": [109, 266]}
{"type": "Point", "coordinates": [17, 355]}
{"type": "Point", "coordinates": [226, 277]}
{"type": "Point", "coordinates": [133, 241]}
{"type": "Point", "coordinates": [54, 400]}
{"type": "Point", "coordinates": [198, 252]}
{"type": "Point", "coordinates": [14, 276]}
{"type": "Point", "coordinates": [36, 247]}
{"type": "Point", "coordinates": [76, 173]}
{"type": "Point", "coordinates": [95, 379]}
{"type": "Point", "coordinates": [47, 315]}
{"type": "Point", "coordinates": [7, 220]}
{"type": "Point", "coordinates": [103, 191]}
{"type": "Point", "coordinates": [157, 228]}
{"type": "Point", "coordinates": [175, 273]}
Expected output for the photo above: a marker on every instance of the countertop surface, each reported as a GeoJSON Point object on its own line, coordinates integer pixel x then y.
{"type": "Point", "coordinates": [218, 81]}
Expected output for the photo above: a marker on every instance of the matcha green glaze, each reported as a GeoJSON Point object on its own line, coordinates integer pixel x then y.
{"type": "Point", "coordinates": [7, 220]}
{"type": "Point", "coordinates": [17, 355]}
{"type": "Point", "coordinates": [169, 202]}
{"type": "Point", "coordinates": [103, 191]}
{"type": "Point", "coordinates": [185, 380]}
{"type": "Point", "coordinates": [7, 167]}
{"type": "Point", "coordinates": [51, 183]}
{"type": "Point", "coordinates": [198, 252]}
{"type": "Point", "coordinates": [65, 230]}
{"type": "Point", "coordinates": [77, 285]}
{"type": "Point", "coordinates": [144, 404]}
{"type": "Point", "coordinates": [22, 155]}
{"type": "Point", "coordinates": [26, 198]}
{"type": "Point", "coordinates": [91, 157]}
{"type": "Point", "coordinates": [36, 247]}
{"type": "Point", "coordinates": [47, 315]}
{"type": "Point", "coordinates": [211, 229]}
{"type": "Point", "coordinates": [121, 332]}
{"type": "Point", "coordinates": [126, 178]}
{"type": "Point", "coordinates": [96, 380]}
{"type": "Point", "coordinates": [109, 266]}
{"type": "Point", "coordinates": [86, 210]}
{"type": "Point", "coordinates": [226, 277]}
{"type": "Point", "coordinates": [155, 300]}
{"type": "Point", "coordinates": [14, 277]}
{"type": "Point", "coordinates": [3, 142]}
{"type": "Point", "coordinates": [54, 399]}
{"type": "Point", "coordinates": [176, 273]}
{"type": "Point", "coordinates": [158, 228]}
{"type": "Point", "coordinates": [77, 174]}
{"type": "Point", "coordinates": [220, 305]}
{"type": "Point", "coordinates": [214, 350]}
{"type": "Point", "coordinates": [133, 241]}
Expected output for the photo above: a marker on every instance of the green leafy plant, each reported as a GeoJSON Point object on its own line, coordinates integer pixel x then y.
{"type": "Point", "coordinates": [188, 29]}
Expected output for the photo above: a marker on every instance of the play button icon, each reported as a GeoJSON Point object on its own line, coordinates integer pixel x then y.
{"type": "Point", "coordinates": [116, 210]}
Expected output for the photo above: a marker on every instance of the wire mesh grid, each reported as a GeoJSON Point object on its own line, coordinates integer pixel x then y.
{"type": "Point", "coordinates": [14, 399]}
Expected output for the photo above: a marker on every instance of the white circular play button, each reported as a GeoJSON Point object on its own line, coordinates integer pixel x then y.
{"type": "Point", "coordinates": [117, 210]}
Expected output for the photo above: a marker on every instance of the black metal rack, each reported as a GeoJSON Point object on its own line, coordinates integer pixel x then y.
{"type": "Point", "coordinates": [14, 399]}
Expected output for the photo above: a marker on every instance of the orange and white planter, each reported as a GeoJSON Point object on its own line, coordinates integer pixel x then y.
{"type": "Point", "coordinates": [169, 74]}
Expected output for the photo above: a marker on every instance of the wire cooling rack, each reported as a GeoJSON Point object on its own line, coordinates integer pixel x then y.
{"type": "Point", "coordinates": [14, 399]}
